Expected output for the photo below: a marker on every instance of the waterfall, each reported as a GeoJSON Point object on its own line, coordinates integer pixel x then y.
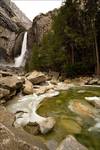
{"type": "Point", "coordinates": [20, 60]}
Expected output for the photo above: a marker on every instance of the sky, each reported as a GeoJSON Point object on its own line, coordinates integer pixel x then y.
{"type": "Point", "coordinates": [32, 8]}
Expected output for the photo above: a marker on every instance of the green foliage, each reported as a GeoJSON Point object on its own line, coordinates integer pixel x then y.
{"type": "Point", "coordinates": [69, 47]}
{"type": "Point", "coordinates": [48, 55]}
{"type": "Point", "coordinates": [79, 69]}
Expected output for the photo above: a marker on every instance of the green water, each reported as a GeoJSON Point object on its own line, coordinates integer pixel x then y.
{"type": "Point", "coordinates": [68, 122]}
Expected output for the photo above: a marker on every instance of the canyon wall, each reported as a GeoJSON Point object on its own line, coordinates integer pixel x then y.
{"type": "Point", "coordinates": [12, 23]}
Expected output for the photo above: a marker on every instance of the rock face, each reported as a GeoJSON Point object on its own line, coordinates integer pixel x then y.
{"type": "Point", "coordinates": [41, 25]}
{"type": "Point", "coordinates": [12, 23]}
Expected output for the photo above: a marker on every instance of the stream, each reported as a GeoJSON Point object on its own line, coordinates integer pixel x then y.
{"type": "Point", "coordinates": [74, 115]}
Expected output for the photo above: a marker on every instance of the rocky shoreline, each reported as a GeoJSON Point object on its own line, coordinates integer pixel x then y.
{"type": "Point", "coordinates": [37, 85]}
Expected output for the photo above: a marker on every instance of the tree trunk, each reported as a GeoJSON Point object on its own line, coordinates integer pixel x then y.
{"type": "Point", "coordinates": [72, 54]}
{"type": "Point", "coordinates": [97, 52]}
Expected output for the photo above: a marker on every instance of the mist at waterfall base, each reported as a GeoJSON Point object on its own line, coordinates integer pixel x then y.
{"type": "Point", "coordinates": [20, 60]}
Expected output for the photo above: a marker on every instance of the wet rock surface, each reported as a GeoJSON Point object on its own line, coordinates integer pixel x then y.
{"type": "Point", "coordinates": [70, 143]}
{"type": "Point", "coordinates": [47, 125]}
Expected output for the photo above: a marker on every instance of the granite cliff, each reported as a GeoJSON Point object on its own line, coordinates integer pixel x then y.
{"type": "Point", "coordinates": [12, 23]}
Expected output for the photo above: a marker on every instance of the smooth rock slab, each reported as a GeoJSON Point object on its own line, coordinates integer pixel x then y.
{"type": "Point", "coordinates": [70, 143]}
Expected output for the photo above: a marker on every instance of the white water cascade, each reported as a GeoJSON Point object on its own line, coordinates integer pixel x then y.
{"type": "Point", "coordinates": [20, 61]}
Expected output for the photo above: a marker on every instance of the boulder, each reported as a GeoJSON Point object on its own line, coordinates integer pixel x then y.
{"type": "Point", "coordinates": [5, 73]}
{"type": "Point", "coordinates": [70, 143]}
{"type": "Point", "coordinates": [32, 128]}
{"type": "Point", "coordinates": [36, 77]}
{"type": "Point", "coordinates": [94, 100]}
{"type": "Point", "coordinates": [6, 118]}
{"type": "Point", "coordinates": [47, 125]}
{"type": "Point", "coordinates": [92, 81]}
{"type": "Point", "coordinates": [28, 87]}
{"type": "Point", "coordinates": [11, 83]}
{"type": "Point", "coordinates": [83, 109]}
{"type": "Point", "coordinates": [41, 89]}
{"type": "Point", "coordinates": [4, 93]}
{"type": "Point", "coordinates": [9, 86]}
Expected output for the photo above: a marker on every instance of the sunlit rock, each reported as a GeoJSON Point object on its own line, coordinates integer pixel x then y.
{"type": "Point", "coordinates": [36, 77]}
{"type": "Point", "coordinates": [28, 87]}
{"type": "Point", "coordinates": [63, 86]}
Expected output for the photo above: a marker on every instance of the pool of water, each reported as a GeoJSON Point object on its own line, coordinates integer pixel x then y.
{"type": "Point", "coordinates": [69, 122]}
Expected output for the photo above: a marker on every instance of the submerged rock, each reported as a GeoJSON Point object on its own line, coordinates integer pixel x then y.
{"type": "Point", "coordinates": [70, 125]}
{"type": "Point", "coordinates": [82, 109]}
{"type": "Point", "coordinates": [94, 100]}
{"type": "Point", "coordinates": [95, 128]}
{"type": "Point", "coordinates": [47, 125]}
{"type": "Point", "coordinates": [70, 143]}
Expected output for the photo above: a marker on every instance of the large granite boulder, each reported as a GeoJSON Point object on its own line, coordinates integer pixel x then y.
{"type": "Point", "coordinates": [11, 82]}
{"type": "Point", "coordinates": [28, 88]}
{"type": "Point", "coordinates": [9, 86]}
{"type": "Point", "coordinates": [36, 77]}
